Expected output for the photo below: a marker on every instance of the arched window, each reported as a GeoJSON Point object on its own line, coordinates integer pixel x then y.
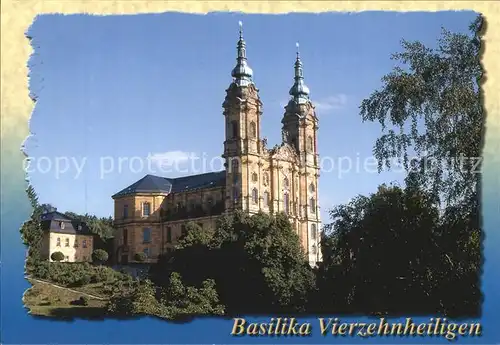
{"type": "Point", "coordinates": [254, 177]}
{"type": "Point", "coordinates": [253, 130]}
{"type": "Point", "coordinates": [286, 182]}
{"type": "Point", "coordinates": [311, 188]}
{"type": "Point", "coordinates": [255, 196]}
{"type": "Point", "coordinates": [234, 129]}
{"type": "Point", "coordinates": [286, 203]}
{"type": "Point", "coordinates": [266, 198]}
{"type": "Point", "coordinates": [314, 231]}
{"type": "Point", "coordinates": [312, 205]}
{"type": "Point", "coordinates": [310, 144]}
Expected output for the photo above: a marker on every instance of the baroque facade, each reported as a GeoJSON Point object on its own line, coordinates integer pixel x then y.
{"type": "Point", "coordinates": [152, 213]}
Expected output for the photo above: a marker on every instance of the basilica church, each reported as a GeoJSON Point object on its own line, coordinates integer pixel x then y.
{"type": "Point", "coordinates": [152, 213]}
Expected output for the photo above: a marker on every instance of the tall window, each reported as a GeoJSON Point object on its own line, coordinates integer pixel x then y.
{"type": "Point", "coordinates": [125, 211]}
{"type": "Point", "coordinates": [253, 130]}
{"type": "Point", "coordinates": [125, 236]}
{"type": "Point", "coordinates": [255, 196]}
{"type": "Point", "coordinates": [169, 234]}
{"type": "Point", "coordinates": [183, 230]}
{"type": "Point", "coordinates": [314, 231]}
{"type": "Point", "coordinates": [66, 242]}
{"type": "Point", "coordinates": [286, 202]}
{"type": "Point", "coordinates": [146, 235]}
{"type": "Point", "coordinates": [312, 205]}
{"type": "Point", "coordinates": [266, 198]}
{"type": "Point", "coordinates": [310, 144]}
{"type": "Point", "coordinates": [236, 194]}
{"type": "Point", "coordinates": [146, 209]}
{"type": "Point", "coordinates": [84, 243]}
{"type": "Point", "coordinates": [234, 129]}
{"type": "Point", "coordinates": [58, 242]}
{"type": "Point", "coordinates": [61, 224]}
{"type": "Point", "coordinates": [235, 168]}
{"type": "Point", "coordinates": [147, 252]}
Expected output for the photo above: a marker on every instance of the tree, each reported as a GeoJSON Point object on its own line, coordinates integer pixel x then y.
{"type": "Point", "coordinates": [140, 257]}
{"type": "Point", "coordinates": [57, 256]}
{"type": "Point", "coordinates": [431, 108]}
{"type": "Point", "coordinates": [180, 300]}
{"type": "Point", "coordinates": [31, 232]}
{"type": "Point", "coordinates": [259, 256]}
{"type": "Point", "coordinates": [439, 91]}
{"type": "Point", "coordinates": [100, 256]}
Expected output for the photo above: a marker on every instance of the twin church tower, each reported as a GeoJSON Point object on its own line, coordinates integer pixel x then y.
{"type": "Point", "coordinates": [152, 213]}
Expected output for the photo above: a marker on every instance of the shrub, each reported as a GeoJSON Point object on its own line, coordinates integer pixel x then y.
{"type": "Point", "coordinates": [57, 256]}
{"type": "Point", "coordinates": [140, 257]}
{"type": "Point", "coordinates": [100, 256]}
{"type": "Point", "coordinates": [103, 274]}
{"type": "Point", "coordinates": [83, 301]}
{"type": "Point", "coordinates": [84, 280]}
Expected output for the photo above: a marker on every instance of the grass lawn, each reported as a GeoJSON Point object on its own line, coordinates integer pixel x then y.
{"type": "Point", "coordinates": [44, 299]}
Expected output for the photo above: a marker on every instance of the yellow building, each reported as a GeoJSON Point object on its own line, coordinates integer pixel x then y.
{"type": "Point", "coordinates": [151, 213]}
{"type": "Point", "coordinates": [68, 236]}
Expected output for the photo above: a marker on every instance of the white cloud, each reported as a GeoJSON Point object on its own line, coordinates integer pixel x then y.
{"type": "Point", "coordinates": [170, 157]}
{"type": "Point", "coordinates": [332, 102]}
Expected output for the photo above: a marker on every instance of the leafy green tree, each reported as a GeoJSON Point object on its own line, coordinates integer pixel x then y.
{"type": "Point", "coordinates": [31, 232]}
{"type": "Point", "coordinates": [259, 256]}
{"type": "Point", "coordinates": [100, 256]}
{"type": "Point", "coordinates": [429, 254]}
{"type": "Point", "coordinates": [430, 106]}
{"type": "Point", "coordinates": [180, 300]}
{"type": "Point", "coordinates": [57, 256]}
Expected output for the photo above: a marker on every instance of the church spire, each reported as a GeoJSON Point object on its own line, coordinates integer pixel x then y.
{"type": "Point", "coordinates": [299, 90]}
{"type": "Point", "coordinates": [242, 73]}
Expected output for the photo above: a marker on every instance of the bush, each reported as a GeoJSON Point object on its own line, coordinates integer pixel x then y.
{"type": "Point", "coordinates": [57, 256]}
{"type": "Point", "coordinates": [140, 257]}
{"type": "Point", "coordinates": [100, 256]}
{"type": "Point", "coordinates": [104, 274]}
{"type": "Point", "coordinates": [84, 280]}
{"type": "Point", "coordinates": [83, 301]}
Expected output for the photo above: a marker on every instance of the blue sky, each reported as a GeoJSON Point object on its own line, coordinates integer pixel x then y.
{"type": "Point", "coordinates": [132, 87]}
